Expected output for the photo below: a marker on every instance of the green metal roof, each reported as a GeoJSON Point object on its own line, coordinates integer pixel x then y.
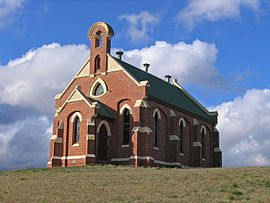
{"type": "Point", "coordinates": [103, 109]}
{"type": "Point", "coordinates": [165, 91]}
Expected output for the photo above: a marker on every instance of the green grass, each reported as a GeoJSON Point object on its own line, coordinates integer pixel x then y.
{"type": "Point", "coordinates": [109, 183]}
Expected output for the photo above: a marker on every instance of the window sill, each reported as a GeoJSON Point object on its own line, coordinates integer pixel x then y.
{"type": "Point", "coordinates": [125, 145]}
{"type": "Point", "coordinates": [181, 154]}
{"type": "Point", "coordinates": [156, 148]}
{"type": "Point", "coordinates": [75, 145]}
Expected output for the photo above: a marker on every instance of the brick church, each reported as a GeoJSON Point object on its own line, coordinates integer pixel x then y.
{"type": "Point", "coordinates": [113, 112]}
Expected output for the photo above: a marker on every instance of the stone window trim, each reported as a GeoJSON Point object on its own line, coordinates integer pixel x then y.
{"type": "Point", "coordinates": [182, 120]}
{"type": "Point", "coordinates": [73, 120]}
{"type": "Point", "coordinates": [76, 114]}
{"type": "Point", "coordinates": [203, 128]}
{"type": "Point", "coordinates": [107, 126]}
{"type": "Point", "coordinates": [95, 85]}
{"type": "Point", "coordinates": [76, 144]}
{"type": "Point", "coordinates": [125, 106]}
{"type": "Point", "coordinates": [158, 113]}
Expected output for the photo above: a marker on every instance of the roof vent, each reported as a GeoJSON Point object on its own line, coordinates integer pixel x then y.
{"type": "Point", "coordinates": [119, 54]}
{"type": "Point", "coordinates": [146, 67]}
{"type": "Point", "coordinates": [168, 78]}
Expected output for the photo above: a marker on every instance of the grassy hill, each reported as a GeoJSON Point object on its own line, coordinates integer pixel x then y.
{"type": "Point", "coordinates": [111, 183]}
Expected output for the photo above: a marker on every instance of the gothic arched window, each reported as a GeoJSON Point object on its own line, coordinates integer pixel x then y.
{"type": "Point", "coordinates": [126, 127]}
{"type": "Point", "coordinates": [99, 90]}
{"type": "Point", "coordinates": [156, 130]}
{"type": "Point", "coordinates": [181, 138]}
{"type": "Point", "coordinates": [203, 143]}
{"type": "Point", "coordinates": [77, 130]}
{"type": "Point", "coordinates": [97, 64]}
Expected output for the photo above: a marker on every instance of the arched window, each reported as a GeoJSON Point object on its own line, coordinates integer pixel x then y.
{"type": "Point", "coordinates": [156, 130]}
{"type": "Point", "coordinates": [77, 130]}
{"type": "Point", "coordinates": [98, 39]}
{"type": "Point", "coordinates": [126, 127]}
{"type": "Point", "coordinates": [99, 90]}
{"type": "Point", "coordinates": [97, 64]}
{"type": "Point", "coordinates": [203, 142]}
{"type": "Point", "coordinates": [181, 137]}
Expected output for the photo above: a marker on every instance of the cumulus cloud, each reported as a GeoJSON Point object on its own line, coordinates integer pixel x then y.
{"type": "Point", "coordinates": [189, 63]}
{"type": "Point", "coordinates": [199, 10]}
{"type": "Point", "coordinates": [35, 78]}
{"type": "Point", "coordinates": [140, 24]}
{"type": "Point", "coordinates": [7, 7]}
{"type": "Point", "coordinates": [27, 89]}
{"type": "Point", "coordinates": [244, 126]}
{"type": "Point", "coordinates": [25, 143]}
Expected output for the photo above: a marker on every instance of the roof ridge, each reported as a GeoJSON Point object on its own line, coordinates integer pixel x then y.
{"type": "Point", "coordinates": [152, 75]}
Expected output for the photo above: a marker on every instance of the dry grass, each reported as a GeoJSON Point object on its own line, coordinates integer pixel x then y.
{"type": "Point", "coordinates": [111, 183]}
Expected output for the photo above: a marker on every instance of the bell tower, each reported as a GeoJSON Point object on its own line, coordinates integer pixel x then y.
{"type": "Point", "coordinates": [100, 35]}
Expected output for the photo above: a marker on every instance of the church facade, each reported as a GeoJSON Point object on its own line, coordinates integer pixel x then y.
{"type": "Point", "coordinates": [113, 112]}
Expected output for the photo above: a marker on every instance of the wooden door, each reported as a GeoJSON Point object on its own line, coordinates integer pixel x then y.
{"type": "Point", "coordinates": [102, 144]}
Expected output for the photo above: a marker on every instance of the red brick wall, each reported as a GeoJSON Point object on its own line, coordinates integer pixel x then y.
{"type": "Point", "coordinates": [174, 150]}
{"type": "Point", "coordinates": [122, 90]}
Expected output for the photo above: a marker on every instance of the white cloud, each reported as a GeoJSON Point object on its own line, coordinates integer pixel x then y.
{"type": "Point", "coordinates": [27, 89]}
{"type": "Point", "coordinates": [140, 24]}
{"type": "Point", "coordinates": [25, 143]}
{"type": "Point", "coordinates": [189, 63]}
{"type": "Point", "coordinates": [34, 79]}
{"type": "Point", "coordinates": [244, 126]}
{"type": "Point", "coordinates": [7, 7]}
{"type": "Point", "coordinates": [214, 10]}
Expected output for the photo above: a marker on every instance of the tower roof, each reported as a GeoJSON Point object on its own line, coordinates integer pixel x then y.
{"type": "Point", "coordinates": [108, 30]}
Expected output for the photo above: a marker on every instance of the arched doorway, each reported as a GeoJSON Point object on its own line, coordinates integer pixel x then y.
{"type": "Point", "coordinates": [102, 144]}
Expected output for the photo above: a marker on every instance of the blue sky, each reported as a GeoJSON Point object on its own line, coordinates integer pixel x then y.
{"type": "Point", "coordinates": [218, 51]}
